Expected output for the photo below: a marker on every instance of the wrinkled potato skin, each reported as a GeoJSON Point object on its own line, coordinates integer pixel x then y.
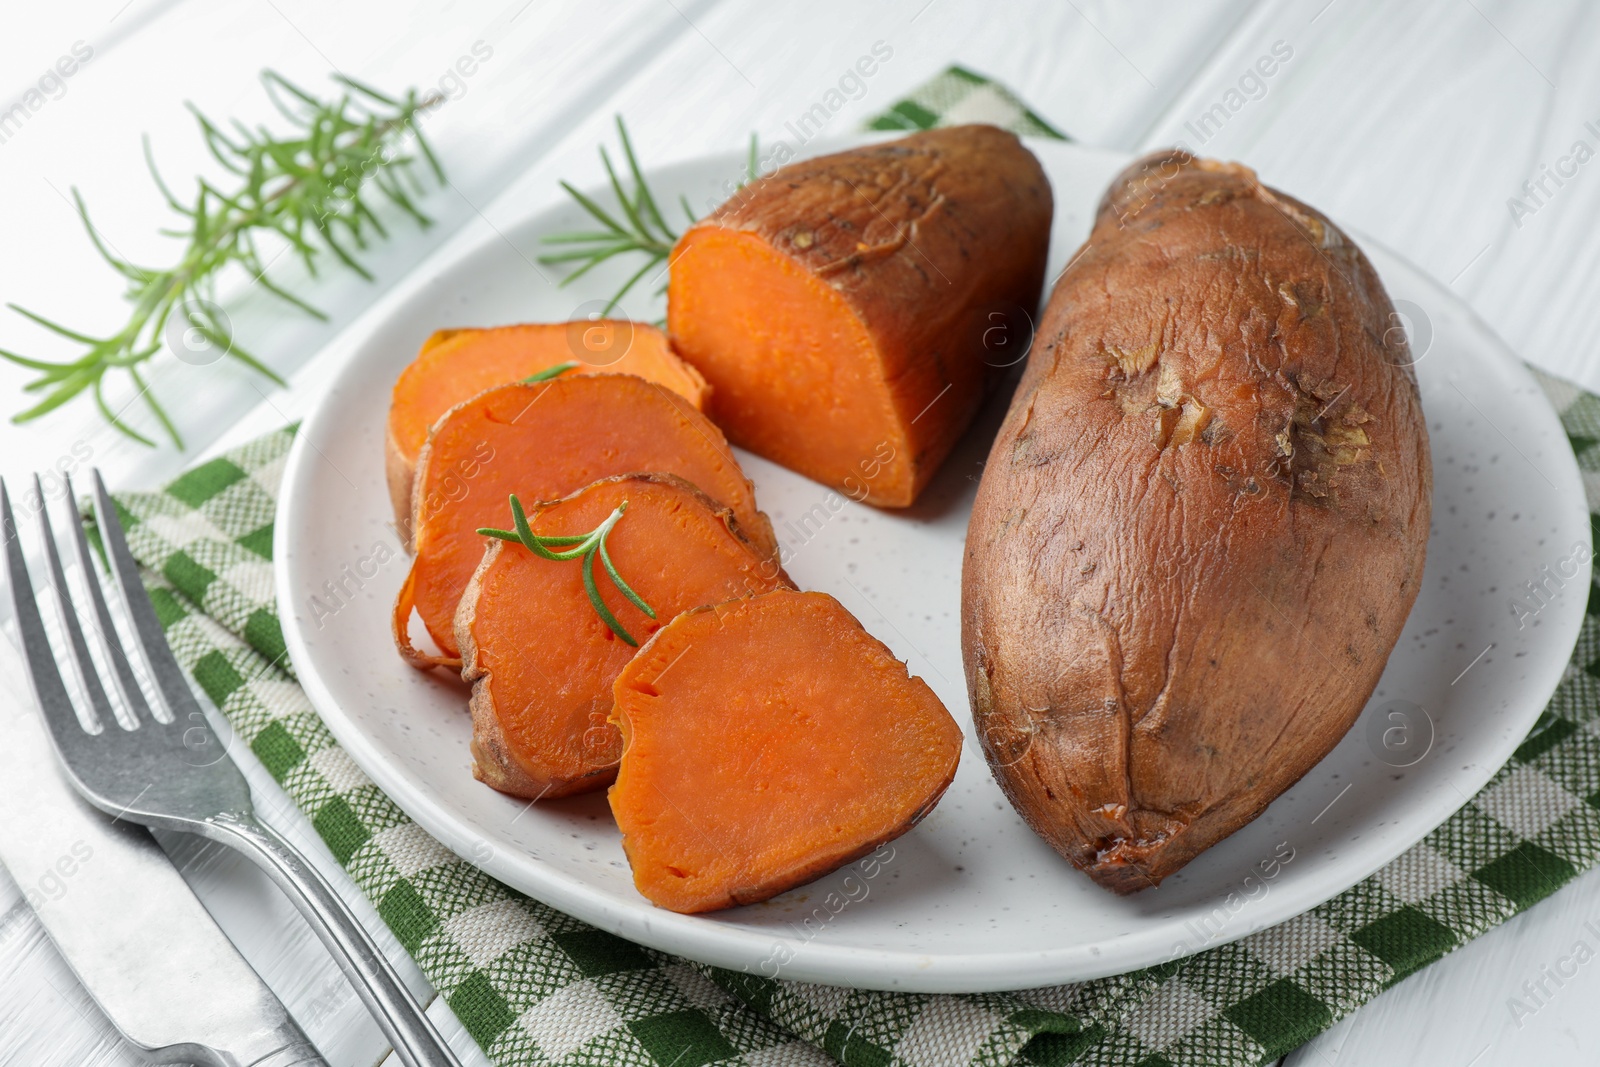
{"type": "Point", "coordinates": [1201, 527]}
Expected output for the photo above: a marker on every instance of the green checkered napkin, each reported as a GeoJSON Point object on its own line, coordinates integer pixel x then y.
{"type": "Point", "coordinates": [959, 96]}
{"type": "Point", "coordinates": [536, 987]}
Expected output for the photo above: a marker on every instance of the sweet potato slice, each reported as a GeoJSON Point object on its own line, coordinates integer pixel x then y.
{"type": "Point", "coordinates": [543, 441]}
{"type": "Point", "coordinates": [847, 309]}
{"type": "Point", "coordinates": [456, 365]}
{"type": "Point", "coordinates": [541, 661]}
{"type": "Point", "coordinates": [766, 742]}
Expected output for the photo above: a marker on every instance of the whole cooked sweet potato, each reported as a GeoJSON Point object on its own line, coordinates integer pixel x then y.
{"type": "Point", "coordinates": [1201, 527]}
{"type": "Point", "coordinates": [839, 306]}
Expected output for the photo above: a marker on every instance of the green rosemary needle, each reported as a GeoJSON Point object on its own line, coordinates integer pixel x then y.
{"type": "Point", "coordinates": [550, 372]}
{"type": "Point", "coordinates": [585, 547]}
{"type": "Point", "coordinates": [305, 190]}
{"type": "Point", "coordinates": [641, 230]}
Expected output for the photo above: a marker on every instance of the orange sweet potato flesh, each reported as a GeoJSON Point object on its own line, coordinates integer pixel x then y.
{"type": "Point", "coordinates": [848, 311]}
{"type": "Point", "coordinates": [456, 365]}
{"type": "Point", "coordinates": [542, 441]}
{"type": "Point", "coordinates": [766, 742]}
{"type": "Point", "coordinates": [541, 661]}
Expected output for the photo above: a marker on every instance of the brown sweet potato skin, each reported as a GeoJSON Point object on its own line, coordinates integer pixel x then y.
{"type": "Point", "coordinates": [913, 251]}
{"type": "Point", "coordinates": [1201, 527]}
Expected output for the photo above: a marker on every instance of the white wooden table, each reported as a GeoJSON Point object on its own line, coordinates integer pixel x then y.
{"type": "Point", "coordinates": [1414, 123]}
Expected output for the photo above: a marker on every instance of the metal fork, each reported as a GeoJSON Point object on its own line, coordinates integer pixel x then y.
{"type": "Point", "coordinates": [176, 775]}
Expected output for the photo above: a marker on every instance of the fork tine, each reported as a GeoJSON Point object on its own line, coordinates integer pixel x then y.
{"type": "Point", "coordinates": [90, 676]}
{"type": "Point", "coordinates": [127, 682]}
{"type": "Point", "coordinates": [48, 690]}
{"type": "Point", "coordinates": [152, 639]}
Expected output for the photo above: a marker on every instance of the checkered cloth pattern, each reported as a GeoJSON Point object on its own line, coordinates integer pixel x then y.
{"type": "Point", "coordinates": [959, 96]}
{"type": "Point", "coordinates": [535, 987]}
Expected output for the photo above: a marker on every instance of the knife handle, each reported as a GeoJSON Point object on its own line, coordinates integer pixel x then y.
{"type": "Point", "coordinates": [415, 1039]}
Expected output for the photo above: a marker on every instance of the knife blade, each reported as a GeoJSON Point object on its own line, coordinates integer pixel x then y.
{"type": "Point", "coordinates": [128, 925]}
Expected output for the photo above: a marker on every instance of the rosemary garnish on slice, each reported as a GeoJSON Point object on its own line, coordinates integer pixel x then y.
{"type": "Point", "coordinates": [550, 372]}
{"type": "Point", "coordinates": [585, 547]}
{"type": "Point", "coordinates": [303, 190]}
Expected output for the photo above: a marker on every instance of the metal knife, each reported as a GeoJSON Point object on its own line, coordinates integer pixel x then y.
{"type": "Point", "coordinates": [129, 926]}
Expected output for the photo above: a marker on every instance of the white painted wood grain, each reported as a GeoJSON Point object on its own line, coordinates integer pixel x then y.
{"type": "Point", "coordinates": [1525, 993]}
{"type": "Point", "coordinates": [512, 109]}
{"type": "Point", "coordinates": [1415, 124]}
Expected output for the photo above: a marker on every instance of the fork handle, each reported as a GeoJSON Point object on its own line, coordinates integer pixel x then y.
{"type": "Point", "coordinates": [413, 1035]}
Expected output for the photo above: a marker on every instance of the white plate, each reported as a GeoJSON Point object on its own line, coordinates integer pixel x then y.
{"type": "Point", "coordinates": [971, 900]}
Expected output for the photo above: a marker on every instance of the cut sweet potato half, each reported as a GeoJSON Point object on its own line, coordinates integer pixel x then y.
{"type": "Point", "coordinates": [456, 365]}
{"type": "Point", "coordinates": [541, 660]}
{"type": "Point", "coordinates": [766, 742]}
{"type": "Point", "coordinates": [849, 310]}
{"type": "Point", "coordinates": [542, 441]}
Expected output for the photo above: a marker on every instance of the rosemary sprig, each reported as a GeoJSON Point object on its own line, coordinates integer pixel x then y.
{"type": "Point", "coordinates": [305, 189]}
{"type": "Point", "coordinates": [585, 547]}
{"type": "Point", "coordinates": [550, 372]}
{"type": "Point", "coordinates": [642, 229]}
